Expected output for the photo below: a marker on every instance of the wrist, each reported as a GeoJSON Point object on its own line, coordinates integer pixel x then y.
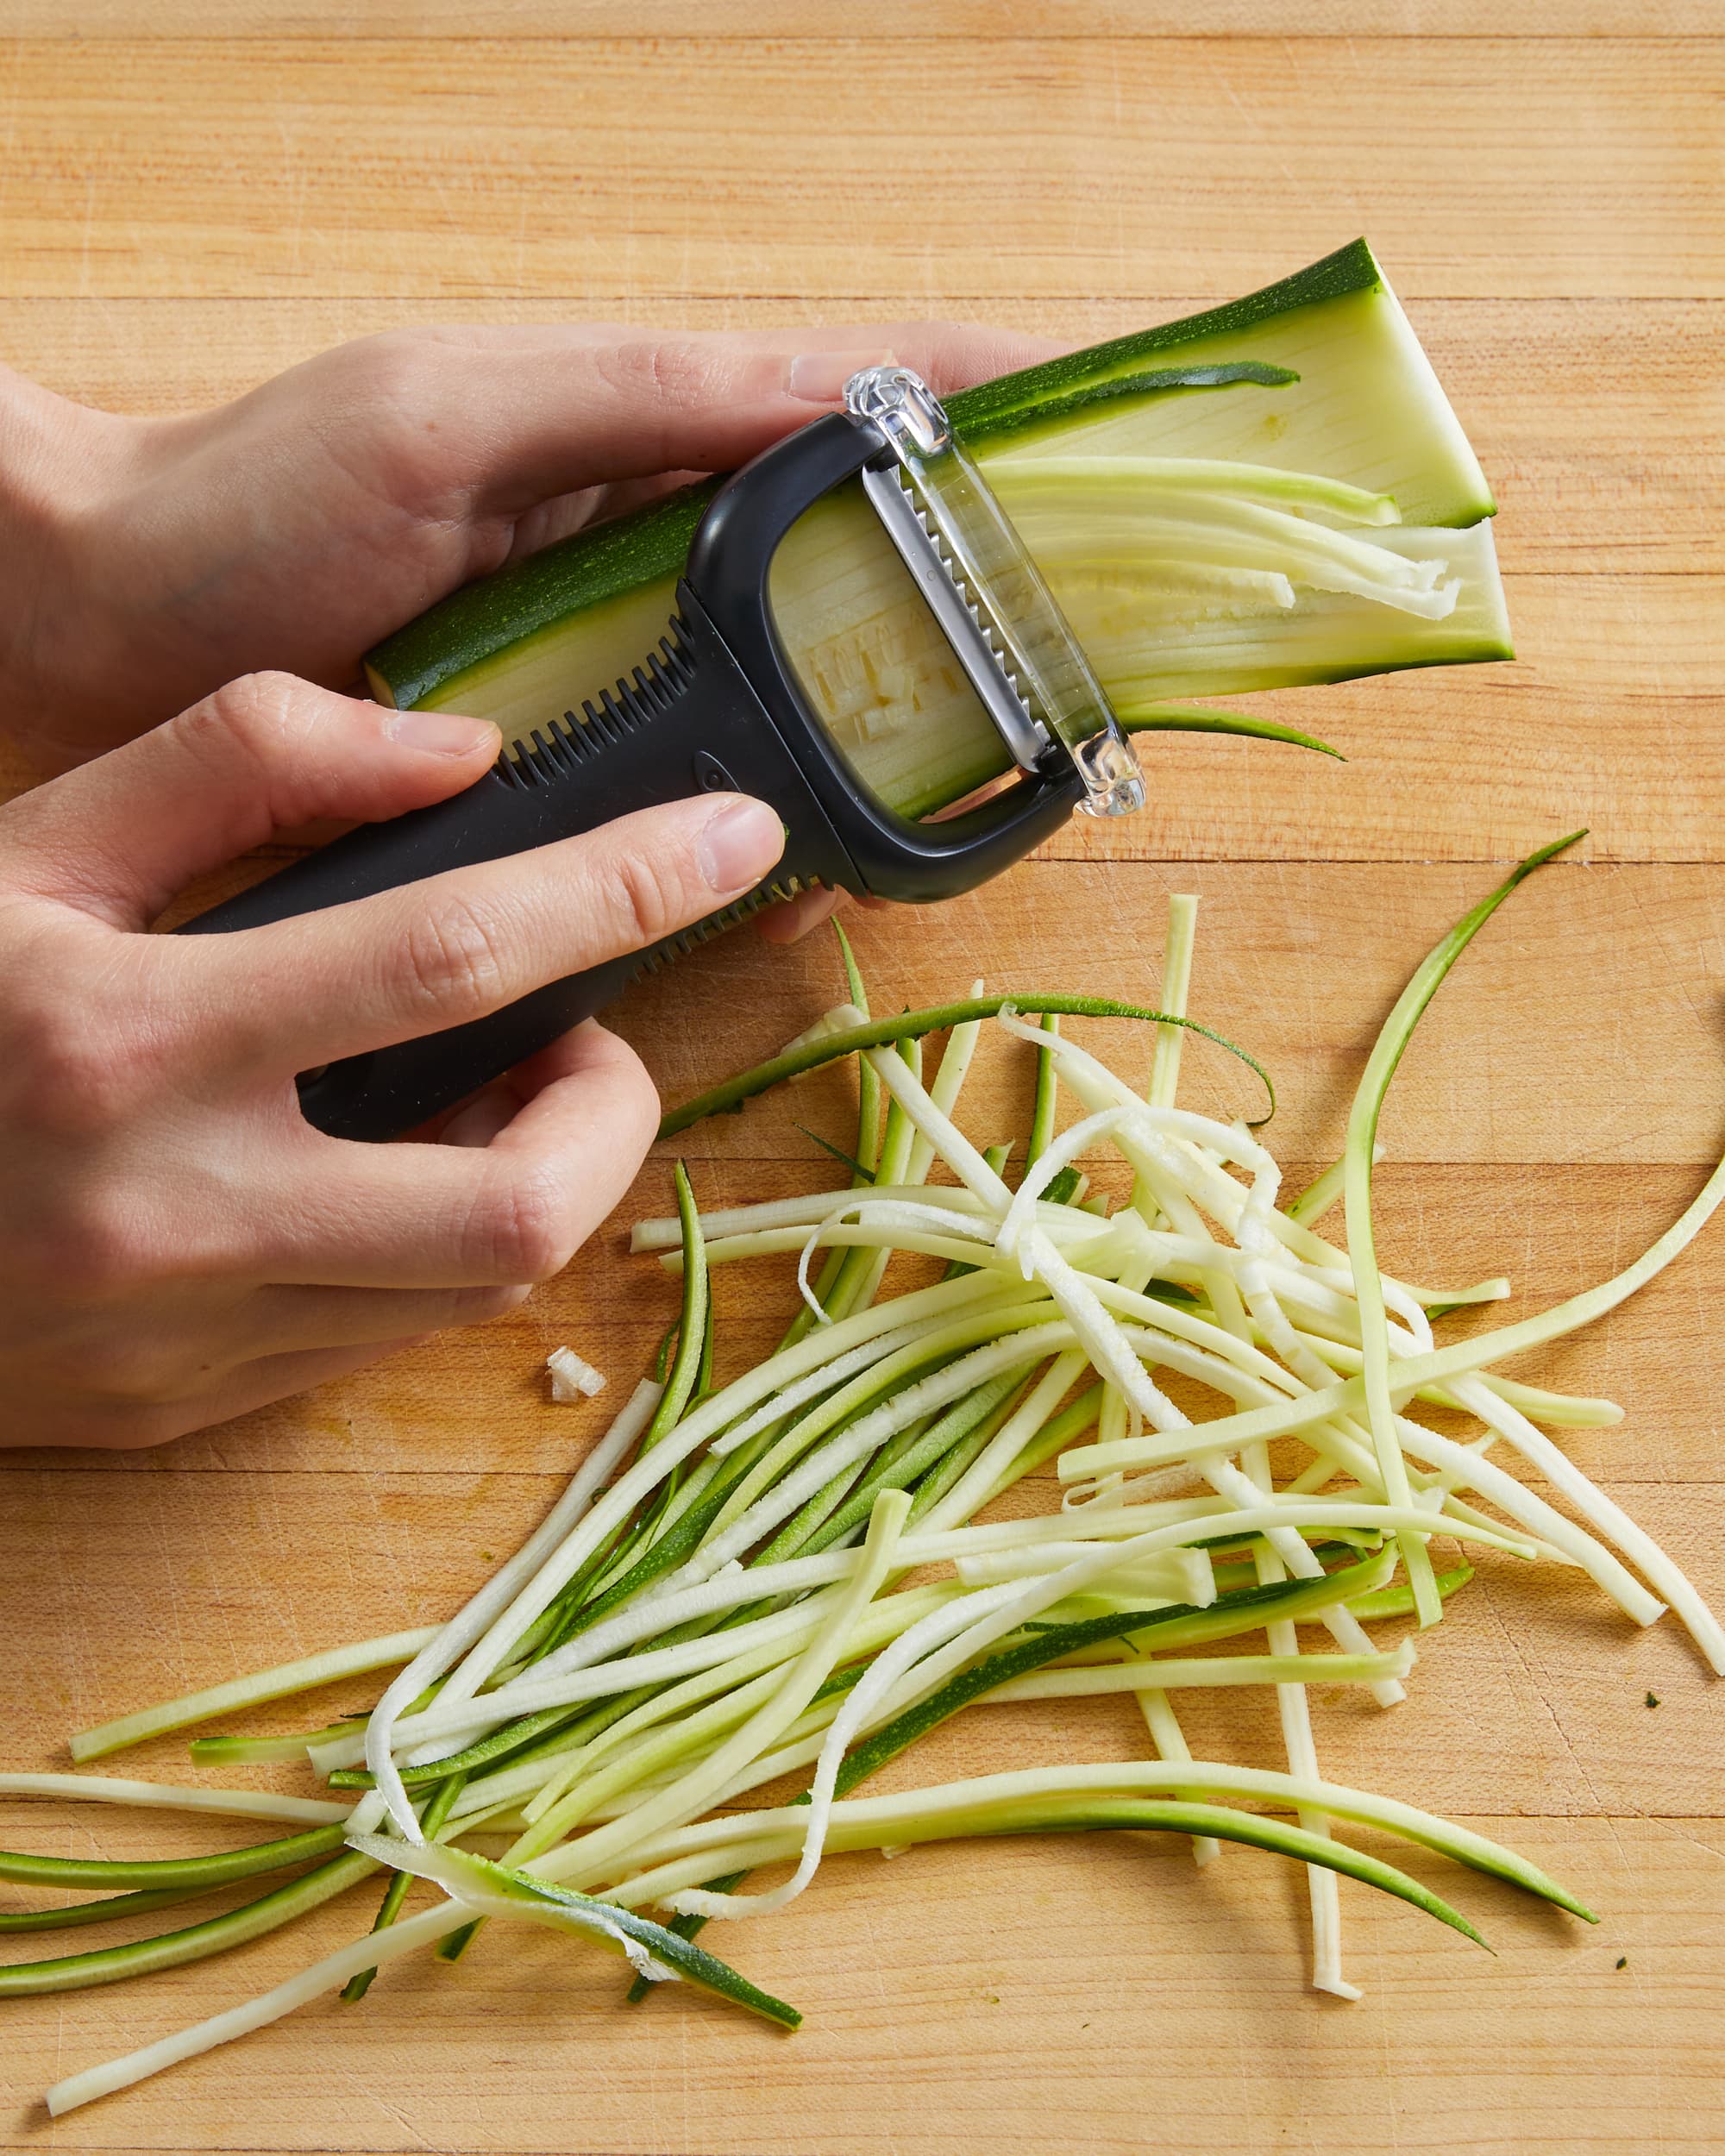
{"type": "Point", "coordinates": [53, 462]}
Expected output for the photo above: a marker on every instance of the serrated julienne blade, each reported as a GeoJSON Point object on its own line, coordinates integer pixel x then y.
{"type": "Point", "coordinates": [1005, 627]}
{"type": "Point", "coordinates": [958, 620]}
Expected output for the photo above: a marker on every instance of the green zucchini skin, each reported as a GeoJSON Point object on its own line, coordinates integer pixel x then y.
{"type": "Point", "coordinates": [1074, 379]}
{"type": "Point", "coordinates": [573, 575]}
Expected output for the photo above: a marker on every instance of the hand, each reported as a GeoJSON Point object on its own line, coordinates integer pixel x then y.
{"type": "Point", "coordinates": [177, 1243]}
{"type": "Point", "coordinates": [293, 529]}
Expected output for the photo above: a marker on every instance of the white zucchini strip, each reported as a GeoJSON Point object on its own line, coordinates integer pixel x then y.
{"type": "Point", "coordinates": [1611, 1519]}
{"type": "Point", "coordinates": [944, 1134]}
{"type": "Point", "coordinates": [1182, 1576]}
{"type": "Point", "coordinates": [327, 1975]}
{"type": "Point", "coordinates": [949, 1081]}
{"type": "Point", "coordinates": [288, 1678]}
{"type": "Point", "coordinates": [111, 1788]}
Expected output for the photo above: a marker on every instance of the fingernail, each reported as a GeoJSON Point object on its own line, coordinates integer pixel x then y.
{"type": "Point", "coordinates": [819, 377]}
{"type": "Point", "coordinates": [440, 733]}
{"type": "Point", "coordinates": [739, 845]}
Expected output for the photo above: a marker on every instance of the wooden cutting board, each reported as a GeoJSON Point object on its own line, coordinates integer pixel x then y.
{"type": "Point", "coordinates": [190, 204]}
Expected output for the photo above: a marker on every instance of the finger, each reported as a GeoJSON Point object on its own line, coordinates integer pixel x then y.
{"type": "Point", "coordinates": [121, 836]}
{"type": "Point", "coordinates": [293, 1321]}
{"type": "Point", "coordinates": [414, 1216]}
{"type": "Point", "coordinates": [547, 410]}
{"type": "Point", "coordinates": [461, 945]}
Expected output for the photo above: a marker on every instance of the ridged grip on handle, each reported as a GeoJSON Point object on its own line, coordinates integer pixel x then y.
{"type": "Point", "coordinates": [689, 722]}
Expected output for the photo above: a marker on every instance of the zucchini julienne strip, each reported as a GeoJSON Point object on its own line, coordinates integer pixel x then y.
{"type": "Point", "coordinates": [110, 1908]}
{"type": "Point", "coordinates": [694, 1324]}
{"type": "Point", "coordinates": [202, 1872]}
{"type": "Point", "coordinates": [1357, 1162]}
{"type": "Point", "coordinates": [495, 1890]}
{"type": "Point", "coordinates": [142, 1956]}
{"type": "Point", "coordinates": [249, 1691]}
{"type": "Point", "coordinates": [993, 1802]}
{"type": "Point", "coordinates": [723, 1099]}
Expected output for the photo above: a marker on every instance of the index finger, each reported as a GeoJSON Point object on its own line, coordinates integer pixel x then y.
{"type": "Point", "coordinates": [457, 946]}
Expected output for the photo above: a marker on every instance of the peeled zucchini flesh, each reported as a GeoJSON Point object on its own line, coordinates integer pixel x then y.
{"type": "Point", "coordinates": [1272, 493]}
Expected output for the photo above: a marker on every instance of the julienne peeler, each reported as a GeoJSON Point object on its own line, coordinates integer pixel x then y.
{"type": "Point", "coordinates": [719, 707]}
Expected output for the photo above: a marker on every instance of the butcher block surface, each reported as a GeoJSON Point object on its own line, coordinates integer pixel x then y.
{"type": "Point", "coordinates": [194, 195]}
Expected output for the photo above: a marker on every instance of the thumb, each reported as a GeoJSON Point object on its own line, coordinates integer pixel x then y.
{"type": "Point", "coordinates": [121, 836]}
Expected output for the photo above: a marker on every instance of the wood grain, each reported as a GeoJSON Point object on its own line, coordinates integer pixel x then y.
{"type": "Point", "coordinates": [483, 167]}
{"type": "Point", "coordinates": [899, 20]}
{"type": "Point", "coordinates": [194, 195]}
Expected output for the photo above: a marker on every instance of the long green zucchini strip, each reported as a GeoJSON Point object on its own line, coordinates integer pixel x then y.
{"type": "Point", "coordinates": [110, 1908]}
{"type": "Point", "coordinates": [1179, 1624]}
{"type": "Point", "coordinates": [722, 1099]}
{"type": "Point", "coordinates": [1357, 1159]}
{"type": "Point", "coordinates": [694, 1323]}
{"type": "Point", "coordinates": [869, 1821]}
{"type": "Point", "coordinates": [213, 1870]}
{"type": "Point", "coordinates": [110, 1964]}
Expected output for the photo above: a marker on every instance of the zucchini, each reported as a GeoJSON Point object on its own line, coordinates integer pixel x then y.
{"type": "Point", "coordinates": [1272, 492]}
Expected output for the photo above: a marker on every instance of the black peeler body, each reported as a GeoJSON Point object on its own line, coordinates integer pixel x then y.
{"type": "Point", "coordinates": [718, 707]}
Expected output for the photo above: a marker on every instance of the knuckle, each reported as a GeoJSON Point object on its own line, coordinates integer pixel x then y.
{"type": "Point", "coordinates": [452, 957]}
{"type": "Point", "coordinates": [388, 370]}
{"type": "Point", "coordinates": [524, 1230]}
{"type": "Point", "coordinates": [265, 716]}
{"type": "Point", "coordinates": [651, 371]}
{"type": "Point", "coordinates": [95, 1246]}
{"type": "Point", "coordinates": [75, 1071]}
{"type": "Point", "coordinates": [645, 895]}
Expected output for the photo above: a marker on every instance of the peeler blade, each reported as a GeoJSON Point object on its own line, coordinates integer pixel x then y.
{"type": "Point", "coordinates": [992, 602]}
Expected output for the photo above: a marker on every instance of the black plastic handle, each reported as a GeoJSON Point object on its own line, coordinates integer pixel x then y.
{"type": "Point", "coordinates": [689, 724]}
